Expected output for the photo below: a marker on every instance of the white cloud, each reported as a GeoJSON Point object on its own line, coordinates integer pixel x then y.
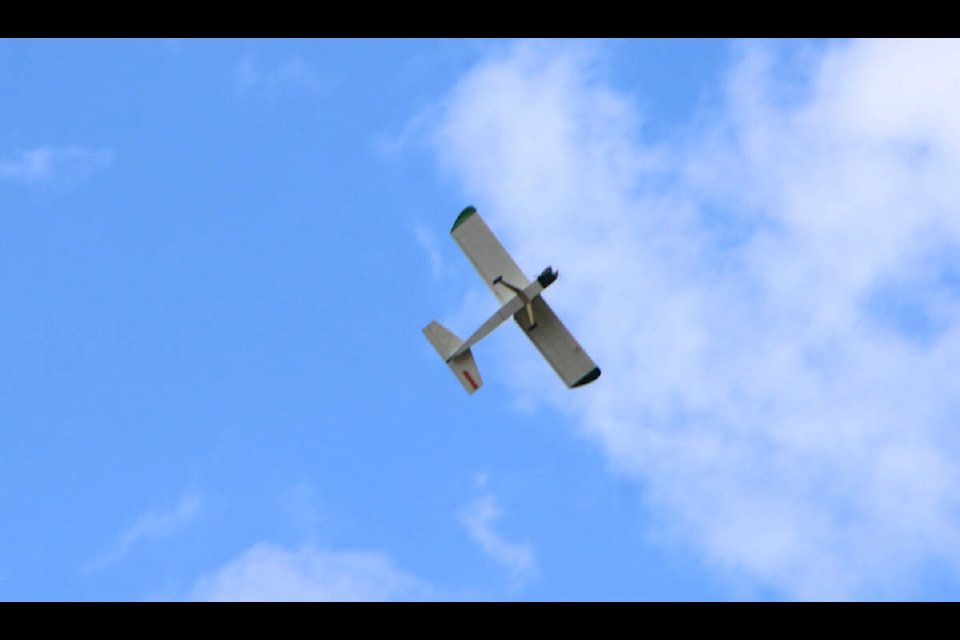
{"type": "Point", "coordinates": [158, 523]}
{"type": "Point", "coordinates": [479, 518]}
{"type": "Point", "coordinates": [268, 572]}
{"type": "Point", "coordinates": [774, 300]}
{"type": "Point", "coordinates": [54, 165]}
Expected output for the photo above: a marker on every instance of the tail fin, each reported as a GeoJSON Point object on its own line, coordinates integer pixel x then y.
{"type": "Point", "coordinates": [464, 367]}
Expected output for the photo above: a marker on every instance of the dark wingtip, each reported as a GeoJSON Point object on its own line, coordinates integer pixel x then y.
{"type": "Point", "coordinates": [587, 379]}
{"type": "Point", "coordinates": [466, 213]}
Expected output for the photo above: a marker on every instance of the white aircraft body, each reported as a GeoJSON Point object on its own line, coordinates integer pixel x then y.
{"type": "Point", "coordinates": [519, 298]}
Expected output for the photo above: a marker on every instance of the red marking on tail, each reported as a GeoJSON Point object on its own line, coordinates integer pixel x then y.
{"type": "Point", "coordinates": [466, 374]}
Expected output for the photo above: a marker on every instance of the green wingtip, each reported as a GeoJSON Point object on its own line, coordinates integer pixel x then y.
{"type": "Point", "coordinates": [587, 379]}
{"type": "Point", "coordinates": [466, 213]}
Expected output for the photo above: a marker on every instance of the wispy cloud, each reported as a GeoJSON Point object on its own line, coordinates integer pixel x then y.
{"type": "Point", "coordinates": [54, 165]}
{"type": "Point", "coordinates": [300, 504]}
{"type": "Point", "coordinates": [267, 572]}
{"type": "Point", "coordinates": [480, 517]}
{"type": "Point", "coordinates": [774, 299]}
{"type": "Point", "coordinates": [293, 73]}
{"type": "Point", "coordinates": [155, 524]}
{"type": "Point", "coordinates": [428, 243]}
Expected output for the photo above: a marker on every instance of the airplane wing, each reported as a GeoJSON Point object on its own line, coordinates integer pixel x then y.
{"type": "Point", "coordinates": [557, 345]}
{"type": "Point", "coordinates": [492, 262]}
{"type": "Point", "coordinates": [486, 253]}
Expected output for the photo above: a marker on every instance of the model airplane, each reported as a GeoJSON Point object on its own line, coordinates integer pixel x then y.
{"type": "Point", "coordinates": [521, 299]}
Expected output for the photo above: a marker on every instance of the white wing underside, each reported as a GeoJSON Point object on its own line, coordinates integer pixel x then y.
{"type": "Point", "coordinates": [488, 256]}
{"type": "Point", "coordinates": [557, 344]}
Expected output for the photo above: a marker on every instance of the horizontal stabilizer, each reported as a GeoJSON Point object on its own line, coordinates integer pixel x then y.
{"type": "Point", "coordinates": [464, 367]}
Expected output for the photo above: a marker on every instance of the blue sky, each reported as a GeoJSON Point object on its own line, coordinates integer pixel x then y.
{"type": "Point", "coordinates": [218, 257]}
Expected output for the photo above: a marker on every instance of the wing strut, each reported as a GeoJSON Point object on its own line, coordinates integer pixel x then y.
{"type": "Point", "coordinates": [523, 296]}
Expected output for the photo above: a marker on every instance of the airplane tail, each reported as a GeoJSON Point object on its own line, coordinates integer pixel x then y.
{"type": "Point", "coordinates": [464, 367]}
